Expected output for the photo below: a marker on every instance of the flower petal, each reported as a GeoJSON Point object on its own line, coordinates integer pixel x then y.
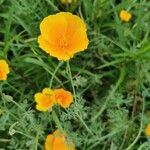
{"type": "Point", "coordinates": [63, 98]}
{"type": "Point", "coordinates": [49, 142]}
{"type": "Point", "coordinates": [63, 35]}
{"type": "Point", "coordinates": [4, 69]}
{"type": "Point", "coordinates": [53, 27]}
{"type": "Point", "coordinates": [59, 142]}
{"type": "Point", "coordinates": [47, 91]}
{"type": "Point", "coordinates": [38, 97]}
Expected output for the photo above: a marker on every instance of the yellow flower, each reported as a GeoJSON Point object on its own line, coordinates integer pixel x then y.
{"type": "Point", "coordinates": [45, 100]}
{"type": "Point", "coordinates": [63, 98]}
{"type": "Point", "coordinates": [48, 98]}
{"type": "Point", "coordinates": [125, 15]}
{"type": "Point", "coordinates": [4, 69]}
{"type": "Point", "coordinates": [68, 1]}
{"type": "Point", "coordinates": [57, 141]}
{"type": "Point", "coordinates": [63, 35]}
{"type": "Point", "coordinates": [147, 130]}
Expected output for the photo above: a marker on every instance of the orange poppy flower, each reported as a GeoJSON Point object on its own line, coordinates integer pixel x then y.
{"type": "Point", "coordinates": [125, 15]}
{"type": "Point", "coordinates": [63, 35]}
{"type": "Point", "coordinates": [63, 98]}
{"type": "Point", "coordinates": [147, 130]}
{"type": "Point", "coordinates": [4, 69]}
{"type": "Point", "coordinates": [45, 100]}
{"type": "Point", "coordinates": [57, 141]}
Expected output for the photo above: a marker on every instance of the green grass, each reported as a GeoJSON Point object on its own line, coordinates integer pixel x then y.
{"type": "Point", "coordinates": [110, 81]}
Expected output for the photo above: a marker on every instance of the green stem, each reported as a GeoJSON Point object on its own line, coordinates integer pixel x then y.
{"type": "Point", "coordinates": [36, 140]}
{"type": "Point", "coordinates": [5, 140]}
{"type": "Point", "coordinates": [26, 135]}
{"type": "Point", "coordinates": [1, 86]}
{"type": "Point", "coordinates": [56, 120]}
{"type": "Point", "coordinates": [53, 75]}
{"type": "Point", "coordinates": [111, 63]}
{"type": "Point", "coordinates": [142, 146]}
{"type": "Point", "coordinates": [140, 130]}
{"type": "Point", "coordinates": [105, 137]}
{"type": "Point", "coordinates": [11, 100]}
{"type": "Point", "coordinates": [71, 80]}
{"type": "Point", "coordinates": [75, 97]}
{"type": "Point", "coordinates": [120, 80]}
{"type": "Point", "coordinates": [84, 124]}
{"type": "Point", "coordinates": [41, 63]}
{"type": "Point", "coordinates": [11, 86]}
{"type": "Point", "coordinates": [54, 115]}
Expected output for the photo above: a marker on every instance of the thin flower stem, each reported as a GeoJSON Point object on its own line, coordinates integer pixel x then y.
{"type": "Point", "coordinates": [120, 80]}
{"type": "Point", "coordinates": [142, 146]}
{"type": "Point", "coordinates": [11, 86]}
{"type": "Point", "coordinates": [36, 140]}
{"type": "Point", "coordinates": [41, 63]}
{"type": "Point", "coordinates": [5, 140]}
{"type": "Point", "coordinates": [71, 79]}
{"type": "Point", "coordinates": [1, 86]}
{"type": "Point", "coordinates": [56, 120]}
{"type": "Point", "coordinates": [11, 100]}
{"type": "Point", "coordinates": [83, 122]}
{"type": "Point", "coordinates": [54, 115]}
{"type": "Point", "coordinates": [53, 75]}
{"type": "Point", "coordinates": [140, 130]}
{"type": "Point", "coordinates": [124, 139]}
{"type": "Point", "coordinates": [105, 137]}
{"type": "Point", "coordinates": [75, 98]}
{"type": "Point", "coordinates": [26, 135]}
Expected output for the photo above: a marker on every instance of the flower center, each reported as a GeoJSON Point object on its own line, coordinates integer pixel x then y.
{"type": "Point", "coordinates": [63, 42]}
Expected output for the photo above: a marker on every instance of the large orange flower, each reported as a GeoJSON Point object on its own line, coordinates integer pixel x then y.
{"type": "Point", "coordinates": [45, 100]}
{"type": "Point", "coordinates": [63, 35]}
{"type": "Point", "coordinates": [63, 98]}
{"type": "Point", "coordinates": [4, 69]}
{"type": "Point", "coordinates": [57, 141]}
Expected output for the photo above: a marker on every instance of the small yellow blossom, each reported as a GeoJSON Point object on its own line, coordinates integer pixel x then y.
{"type": "Point", "coordinates": [4, 69]}
{"type": "Point", "coordinates": [63, 98]}
{"type": "Point", "coordinates": [57, 141]}
{"type": "Point", "coordinates": [125, 15]}
{"type": "Point", "coordinates": [45, 100]}
{"type": "Point", "coordinates": [48, 98]}
{"type": "Point", "coordinates": [63, 35]}
{"type": "Point", "coordinates": [147, 130]}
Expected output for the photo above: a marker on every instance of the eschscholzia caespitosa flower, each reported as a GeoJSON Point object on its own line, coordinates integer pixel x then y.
{"type": "Point", "coordinates": [58, 141]}
{"type": "Point", "coordinates": [125, 15]}
{"type": "Point", "coordinates": [63, 98]}
{"type": "Point", "coordinates": [45, 100]}
{"type": "Point", "coordinates": [147, 130]}
{"type": "Point", "coordinates": [4, 69]}
{"type": "Point", "coordinates": [48, 98]}
{"type": "Point", "coordinates": [63, 35]}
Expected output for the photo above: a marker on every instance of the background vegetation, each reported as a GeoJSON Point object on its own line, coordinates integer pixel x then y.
{"type": "Point", "coordinates": [111, 78]}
